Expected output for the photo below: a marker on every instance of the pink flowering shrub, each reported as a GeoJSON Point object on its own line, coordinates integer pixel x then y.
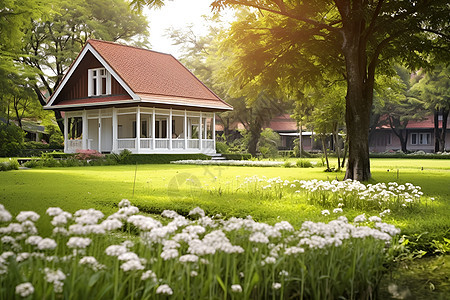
{"type": "Point", "coordinates": [88, 154]}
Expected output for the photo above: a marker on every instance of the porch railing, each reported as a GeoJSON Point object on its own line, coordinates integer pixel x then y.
{"type": "Point", "coordinates": [193, 144]}
{"type": "Point", "coordinates": [178, 144]}
{"type": "Point", "coordinates": [126, 143]}
{"type": "Point", "coordinates": [74, 145]}
{"type": "Point", "coordinates": [146, 143]}
{"type": "Point", "coordinates": [161, 143]}
{"type": "Point", "coordinates": [208, 144]}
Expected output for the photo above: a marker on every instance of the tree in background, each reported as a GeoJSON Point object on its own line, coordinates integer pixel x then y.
{"type": "Point", "coordinates": [207, 57]}
{"type": "Point", "coordinates": [434, 90]}
{"type": "Point", "coordinates": [53, 40]}
{"type": "Point", "coordinates": [300, 40]}
{"type": "Point", "coordinates": [395, 104]}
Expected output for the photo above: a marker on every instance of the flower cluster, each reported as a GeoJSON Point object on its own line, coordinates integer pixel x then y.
{"type": "Point", "coordinates": [173, 255]}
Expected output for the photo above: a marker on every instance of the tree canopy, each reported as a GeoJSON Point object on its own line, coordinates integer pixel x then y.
{"type": "Point", "coordinates": [287, 43]}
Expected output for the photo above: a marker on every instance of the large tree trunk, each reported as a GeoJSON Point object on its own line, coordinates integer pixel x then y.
{"type": "Point", "coordinates": [436, 130]}
{"type": "Point", "coordinates": [357, 118]}
{"type": "Point", "coordinates": [255, 134]}
{"type": "Point", "coordinates": [360, 81]}
{"type": "Point", "coordinates": [445, 113]}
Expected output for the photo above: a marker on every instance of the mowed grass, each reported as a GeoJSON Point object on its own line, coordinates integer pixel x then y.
{"type": "Point", "coordinates": [182, 187]}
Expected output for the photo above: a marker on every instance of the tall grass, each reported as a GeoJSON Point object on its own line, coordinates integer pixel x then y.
{"type": "Point", "coordinates": [132, 256]}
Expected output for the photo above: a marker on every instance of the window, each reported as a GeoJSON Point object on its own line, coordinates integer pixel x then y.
{"type": "Point", "coordinates": [99, 82]}
{"type": "Point", "coordinates": [420, 138]}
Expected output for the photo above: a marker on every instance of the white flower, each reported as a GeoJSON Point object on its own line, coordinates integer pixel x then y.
{"type": "Point", "coordinates": [78, 242]}
{"type": "Point", "coordinates": [116, 250]}
{"type": "Point", "coordinates": [337, 210]}
{"type": "Point", "coordinates": [374, 219]}
{"type": "Point", "coordinates": [284, 273]}
{"type": "Point", "coordinates": [293, 250]}
{"type": "Point", "coordinates": [197, 211]}
{"type": "Point", "coordinates": [56, 277]}
{"type": "Point", "coordinates": [169, 254]}
{"type": "Point", "coordinates": [22, 256]}
{"type": "Point", "coordinates": [27, 215]}
{"type": "Point", "coordinates": [258, 237]}
{"type": "Point", "coordinates": [149, 274]}
{"type": "Point", "coordinates": [54, 211]}
{"type": "Point", "coordinates": [236, 288]}
{"type": "Point", "coordinates": [61, 219]}
{"type": "Point", "coordinates": [25, 289]}
{"type": "Point", "coordinates": [128, 256]}
{"type": "Point", "coordinates": [164, 289]}
{"type": "Point", "coordinates": [170, 214]}
{"type": "Point", "coordinates": [194, 274]}
{"type": "Point", "coordinates": [360, 218]}
{"type": "Point", "coordinates": [46, 244]}
{"type": "Point", "coordinates": [132, 265]}
{"type": "Point", "coordinates": [91, 262]}
{"type": "Point", "coordinates": [5, 216]}
{"type": "Point", "coordinates": [189, 258]}
{"type": "Point", "coordinates": [60, 230]}
{"type": "Point", "coordinates": [276, 285]}
{"type": "Point", "coordinates": [111, 224]}
{"type": "Point", "coordinates": [124, 203]}
{"type": "Point", "coordinates": [284, 225]}
{"type": "Point", "coordinates": [325, 212]}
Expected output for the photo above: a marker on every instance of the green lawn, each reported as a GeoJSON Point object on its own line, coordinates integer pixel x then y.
{"type": "Point", "coordinates": [160, 187]}
{"type": "Point", "coordinates": [183, 187]}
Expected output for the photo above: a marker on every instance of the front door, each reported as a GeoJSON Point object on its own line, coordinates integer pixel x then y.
{"type": "Point", "coordinates": [106, 135]}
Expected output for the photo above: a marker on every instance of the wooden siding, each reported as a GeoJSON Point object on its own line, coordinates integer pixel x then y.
{"type": "Point", "coordinates": [77, 86]}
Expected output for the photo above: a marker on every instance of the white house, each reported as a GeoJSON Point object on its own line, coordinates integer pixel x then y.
{"type": "Point", "coordinates": [117, 97]}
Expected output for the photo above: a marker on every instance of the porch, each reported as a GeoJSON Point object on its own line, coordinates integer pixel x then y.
{"type": "Point", "coordinates": [159, 130]}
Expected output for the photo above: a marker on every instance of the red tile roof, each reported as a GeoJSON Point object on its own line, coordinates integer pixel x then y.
{"type": "Point", "coordinates": [427, 123]}
{"type": "Point", "coordinates": [154, 73]}
{"type": "Point", "coordinates": [283, 123]}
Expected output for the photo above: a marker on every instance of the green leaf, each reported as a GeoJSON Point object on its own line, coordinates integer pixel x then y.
{"type": "Point", "coordinates": [224, 288]}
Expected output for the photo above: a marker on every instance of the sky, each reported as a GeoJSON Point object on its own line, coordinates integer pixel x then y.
{"type": "Point", "coordinates": [177, 14]}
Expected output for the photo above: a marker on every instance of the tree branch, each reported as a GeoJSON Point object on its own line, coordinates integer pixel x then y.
{"type": "Point", "coordinates": [282, 12]}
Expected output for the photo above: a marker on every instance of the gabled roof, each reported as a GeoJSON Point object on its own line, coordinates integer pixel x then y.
{"type": "Point", "coordinates": [147, 76]}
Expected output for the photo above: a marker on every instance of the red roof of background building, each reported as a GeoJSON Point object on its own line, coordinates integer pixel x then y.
{"type": "Point", "coordinates": [283, 123]}
{"type": "Point", "coordinates": [427, 123]}
{"type": "Point", "coordinates": [155, 73]}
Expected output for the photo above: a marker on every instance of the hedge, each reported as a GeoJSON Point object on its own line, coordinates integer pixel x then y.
{"type": "Point", "coordinates": [237, 156]}
{"type": "Point", "coordinates": [160, 158]}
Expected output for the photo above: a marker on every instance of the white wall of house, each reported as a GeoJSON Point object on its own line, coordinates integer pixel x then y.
{"type": "Point", "coordinates": [160, 131]}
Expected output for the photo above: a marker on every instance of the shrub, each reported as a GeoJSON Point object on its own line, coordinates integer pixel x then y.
{"type": "Point", "coordinates": [302, 163]}
{"type": "Point", "coordinates": [9, 165]}
{"type": "Point", "coordinates": [34, 163]}
{"type": "Point", "coordinates": [11, 139]}
{"type": "Point", "coordinates": [268, 143]}
{"type": "Point", "coordinates": [237, 156]}
{"type": "Point", "coordinates": [88, 154]}
{"type": "Point", "coordinates": [287, 164]}
{"type": "Point", "coordinates": [222, 147]}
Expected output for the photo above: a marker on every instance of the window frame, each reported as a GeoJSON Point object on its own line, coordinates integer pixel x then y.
{"type": "Point", "coordinates": [95, 82]}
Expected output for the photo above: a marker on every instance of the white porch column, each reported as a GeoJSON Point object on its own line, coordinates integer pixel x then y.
{"type": "Point", "coordinates": [214, 131]}
{"type": "Point", "coordinates": [185, 129]}
{"type": "Point", "coordinates": [66, 132]}
{"type": "Point", "coordinates": [200, 131]}
{"type": "Point", "coordinates": [84, 130]}
{"type": "Point", "coordinates": [138, 129]}
{"type": "Point", "coordinates": [153, 129]}
{"type": "Point", "coordinates": [114, 130]}
{"type": "Point", "coordinates": [170, 129]}
{"type": "Point", "coordinates": [100, 130]}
